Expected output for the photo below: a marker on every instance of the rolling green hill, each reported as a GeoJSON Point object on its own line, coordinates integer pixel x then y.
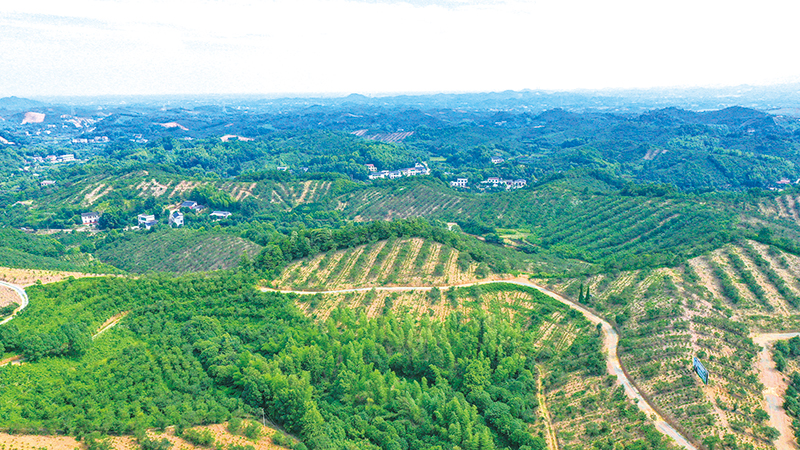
{"type": "Point", "coordinates": [177, 251]}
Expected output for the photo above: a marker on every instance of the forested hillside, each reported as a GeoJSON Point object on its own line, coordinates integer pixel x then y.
{"type": "Point", "coordinates": [678, 228]}
{"type": "Point", "coordinates": [199, 350]}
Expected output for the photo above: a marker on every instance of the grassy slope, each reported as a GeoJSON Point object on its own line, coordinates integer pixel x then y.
{"type": "Point", "coordinates": [179, 251]}
{"type": "Point", "coordinates": [566, 218]}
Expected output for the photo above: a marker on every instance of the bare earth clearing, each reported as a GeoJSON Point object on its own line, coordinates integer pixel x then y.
{"type": "Point", "coordinates": [220, 432]}
{"type": "Point", "coordinates": [774, 388]}
{"type": "Point", "coordinates": [27, 277]}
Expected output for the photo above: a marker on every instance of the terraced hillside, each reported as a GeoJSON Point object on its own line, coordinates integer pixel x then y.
{"type": "Point", "coordinates": [178, 251]}
{"type": "Point", "coordinates": [708, 307]}
{"type": "Point", "coordinates": [407, 262]}
{"type": "Point", "coordinates": [617, 231]}
{"type": "Point", "coordinates": [782, 206]}
{"type": "Point", "coordinates": [577, 406]}
{"type": "Point", "coordinates": [59, 205]}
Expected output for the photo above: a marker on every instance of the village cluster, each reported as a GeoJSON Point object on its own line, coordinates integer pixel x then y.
{"type": "Point", "coordinates": [418, 169]}
{"type": "Point", "coordinates": [147, 221]}
{"type": "Point", "coordinates": [493, 182]}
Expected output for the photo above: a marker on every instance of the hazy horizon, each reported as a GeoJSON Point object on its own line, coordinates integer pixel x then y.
{"type": "Point", "coordinates": [324, 47]}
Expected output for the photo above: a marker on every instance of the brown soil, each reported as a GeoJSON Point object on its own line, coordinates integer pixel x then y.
{"type": "Point", "coordinates": [782, 211]}
{"type": "Point", "coordinates": [153, 188]}
{"type": "Point", "coordinates": [33, 117]}
{"type": "Point", "coordinates": [31, 442]}
{"type": "Point", "coordinates": [110, 323]}
{"type": "Point", "coordinates": [773, 296]}
{"type": "Point", "coordinates": [407, 269]}
{"type": "Point", "coordinates": [774, 390]}
{"type": "Point", "coordinates": [184, 186]}
{"type": "Point", "coordinates": [14, 360]}
{"type": "Point", "coordinates": [430, 264]}
{"type": "Point", "coordinates": [8, 296]}
{"type": "Point", "coordinates": [306, 188]}
{"type": "Point", "coordinates": [390, 260]}
{"type": "Point", "coordinates": [370, 262]}
{"type": "Point", "coordinates": [27, 277]}
{"type": "Point", "coordinates": [96, 193]}
{"type": "Point", "coordinates": [790, 205]}
{"type": "Point", "coordinates": [707, 278]}
{"type": "Point", "coordinates": [339, 278]}
{"type": "Point", "coordinates": [220, 432]}
{"type": "Point", "coordinates": [244, 192]}
{"type": "Point", "coordinates": [299, 273]}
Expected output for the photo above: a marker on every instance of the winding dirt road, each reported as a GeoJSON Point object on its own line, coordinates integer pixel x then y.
{"type": "Point", "coordinates": [774, 388]}
{"type": "Point", "coordinates": [610, 338]}
{"type": "Point", "coordinates": [23, 297]}
{"type": "Point", "coordinates": [23, 303]}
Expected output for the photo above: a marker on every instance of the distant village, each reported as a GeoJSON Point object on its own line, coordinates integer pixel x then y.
{"type": "Point", "coordinates": [175, 218]}
{"type": "Point", "coordinates": [49, 159]}
{"type": "Point", "coordinates": [492, 182]}
{"type": "Point", "coordinates": [418, 169]}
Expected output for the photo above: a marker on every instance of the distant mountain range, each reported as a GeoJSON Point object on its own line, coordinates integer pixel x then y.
{"type": "Point", "coordinates": [783, 98]}
{"type": "Point", "coordinates": [16, 103]}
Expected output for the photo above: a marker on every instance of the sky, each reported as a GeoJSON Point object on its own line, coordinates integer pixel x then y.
{"type": "Point", "coordinates": [374, 47]}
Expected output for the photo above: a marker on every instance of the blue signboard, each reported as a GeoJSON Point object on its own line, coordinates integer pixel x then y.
{"type": "Point", "coordinates": [701, 371]}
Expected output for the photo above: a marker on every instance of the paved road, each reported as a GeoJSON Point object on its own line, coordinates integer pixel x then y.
{"type": "Point", "coordinates": [774, 388]}
{"type": "Point", "coordinates": [23, 297]}
{"type": "Point", "coordinates": [610, 338]}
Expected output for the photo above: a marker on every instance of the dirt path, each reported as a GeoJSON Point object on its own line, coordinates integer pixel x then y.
{"type": "Point", "coordinates": [552, 439]}
{"type": "Point", "coordinates": [304, 194]}
{"type": "Point", "coordinates": [110, 323]}
{"type": "Point", "coordinates": [610, 338]}
{"type": "Point", "coordinates": [774, 388]}
{"type": "Point", "coordinates": [13, 360]}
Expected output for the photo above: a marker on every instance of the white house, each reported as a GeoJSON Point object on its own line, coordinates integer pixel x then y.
{"type": "Point", "coordinates": [216, 215]}
{"type": "Point", "coordinates": [146, 220]}
{"type": "Point", "coordinates": [371, 167]}
{"type": "Point", "coordinates": [90, 218]}
{"type": "Point", "coordinates": [497, 160]}
{"type": "Point", "coordinates": [519, 184]}
{"type": "Point", "coordinates": [460, 182]}
{"type": "Point", "coordinates": [176, 219]}
{"type": "Point", "coordinates": [47, 183]}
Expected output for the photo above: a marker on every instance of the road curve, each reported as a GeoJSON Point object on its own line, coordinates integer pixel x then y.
{"type": "Point", "coordinates": [23, 297]}
{"type": "Point", "coordinates": [610, 338]}
{"type": "Point", "coordinates": [774, 387]}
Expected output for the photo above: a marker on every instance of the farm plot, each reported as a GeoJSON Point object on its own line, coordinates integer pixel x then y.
{"type": "Point", "coordinates": [668, 316]}
{"type": "Point", "coordinates": [407, 262]}
{"type": "Point", "coordinates": [415, 201]}
{"type": "Point", "coordinates": [178, 251]}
